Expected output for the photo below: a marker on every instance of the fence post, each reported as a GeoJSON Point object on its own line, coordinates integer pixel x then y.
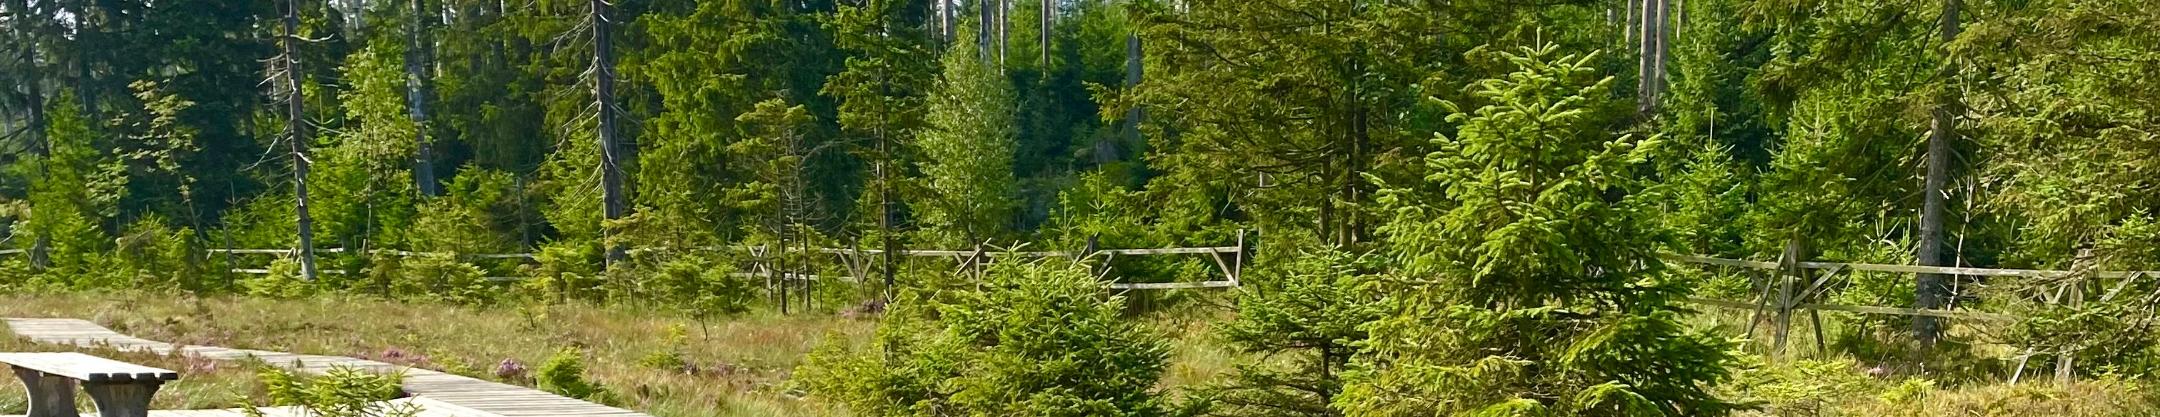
{"type": "Point", "coordinates": [2080, 271]}
{"type": "Point", "coordinates": [1244, 253]}
{"type": "Point", "coordinates": [1789, 270]}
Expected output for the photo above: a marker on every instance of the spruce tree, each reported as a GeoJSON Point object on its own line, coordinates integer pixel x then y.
{"type": "Point", "coordinates": [1530, 284]}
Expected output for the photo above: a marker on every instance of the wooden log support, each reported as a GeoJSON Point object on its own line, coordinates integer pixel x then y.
{"type": "Point", "coordinates": [122, 399]}
{"type": "Point", "coordinates": [50, 395]}
{"type": "Point", "coordinates": [1762, 303]}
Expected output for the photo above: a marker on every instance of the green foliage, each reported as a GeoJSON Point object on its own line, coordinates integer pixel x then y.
{"type": "Point", "coordinates": [1033, 339]}
{"type": "Point", "coordinates": [565, 270]}
{"type": "Point", "coordinates": [967, 150]}
{"type": "Point", "coordinates": [1797, 388]}
{"type": "Point", "coordinates": [703, 286]}
{"type": "Point", "coordinates": [361, 185]}
{"type": "Point", "coordinates": [282, 281]}
{"type": "Point", "coordinates": [1303, 312]}
{"type": "Point", "coordinates": [435, 277]}
{"type": "Point", "coordinates": [564, 374]}
{"type": "Point", "coordinates": [339, 392]}
{"type": "Point", "coordinates": [155, 255]}
{"type": "Point", "coordinates": [673, 357]}
{"type": "Point", "coordinates": [1532, 284]}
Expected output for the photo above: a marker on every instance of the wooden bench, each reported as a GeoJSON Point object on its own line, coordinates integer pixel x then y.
{"type": "Point", "coordinates": [120, 389]}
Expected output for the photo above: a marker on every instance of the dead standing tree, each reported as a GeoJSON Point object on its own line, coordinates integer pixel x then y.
{"type": "Point", "coordinates": [1932, 290]}
{"type": "Point", "coordinates": [615, 204]}
{"type": "Point", "coordinates": [286, 78]}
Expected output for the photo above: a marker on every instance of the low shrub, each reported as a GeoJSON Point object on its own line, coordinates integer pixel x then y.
{"type": "Point", "coordinates": [1033, 339]}
{"type": "Point", "coordinates": [339, 392]}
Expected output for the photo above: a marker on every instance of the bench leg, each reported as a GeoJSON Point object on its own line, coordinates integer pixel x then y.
{"type": "Point", "coordinates": [122, 399]}
{"type": "Point", "coordinates": [50, 396]}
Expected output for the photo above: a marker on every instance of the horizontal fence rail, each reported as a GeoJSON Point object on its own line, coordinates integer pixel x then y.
{"type": "Point", "coordinates": [1230, 259]}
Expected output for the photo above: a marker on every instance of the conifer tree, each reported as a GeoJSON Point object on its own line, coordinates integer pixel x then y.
{"type": "Point", "coordinates": [1531, 285]}
{"type": "Point", "coordinates": [968, 152]}
{"type": "Point", "coordinates": [881, 93]}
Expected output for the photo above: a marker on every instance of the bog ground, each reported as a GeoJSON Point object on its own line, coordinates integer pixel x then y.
{"type": "Point", "coordinates": [656, 363]}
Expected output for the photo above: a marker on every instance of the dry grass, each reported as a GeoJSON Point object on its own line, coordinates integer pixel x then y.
{"type": "Point", "coordinates": [737, 365]}
{"type": "Point", "coordinates": [206, 384]}
{"type": "Point", "coordinates": [2098, 398]}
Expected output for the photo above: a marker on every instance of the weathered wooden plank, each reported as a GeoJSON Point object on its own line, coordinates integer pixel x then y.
{"type": "Point", "coordinates": [1169, 285]}
{"type": "Point", "coordinates": [1968, 315]}
{"type": "Point", "coordinates": [440, 394]}
{"type": "Point", "coordinates": [1912, 269]}
{"type": "Point", "coordinates": [84, 367]}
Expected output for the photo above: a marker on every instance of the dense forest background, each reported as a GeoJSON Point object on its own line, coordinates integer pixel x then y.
{"type": "Point", "coordinates": [1499, 174]}
{"type": "Point", "coordinates": [1989, 133]}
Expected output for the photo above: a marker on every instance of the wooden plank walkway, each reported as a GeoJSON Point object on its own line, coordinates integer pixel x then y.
{"type": "Point", "coordinates": [428, 408]}
{"type": "Point", "coordinates": [442, 394]}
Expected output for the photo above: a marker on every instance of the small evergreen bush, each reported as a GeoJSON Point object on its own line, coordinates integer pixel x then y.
{"type": "Point", "coordinates": [339, 392]}
{"type": "Point", "coordinates": [1035, 339]}
{"type": "Point", "coordinates": [564, 374]}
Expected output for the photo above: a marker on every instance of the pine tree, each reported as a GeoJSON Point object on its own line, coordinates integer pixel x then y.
{"type": "Point", "coordinates": [1304, 310]}
{"type": "Point", "coordinates": [1531, 284]}
{"type": "Point", "coordinates": [881, 93]}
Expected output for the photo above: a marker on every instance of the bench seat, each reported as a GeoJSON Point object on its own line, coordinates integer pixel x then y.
{"type": "Point", "coordinates": [86, 368]}
{"type": "Point", "coordinates": [120, 389]}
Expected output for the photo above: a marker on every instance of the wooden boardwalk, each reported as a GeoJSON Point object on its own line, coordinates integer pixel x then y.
{"type": "Point", "coordinates": [440, 394]}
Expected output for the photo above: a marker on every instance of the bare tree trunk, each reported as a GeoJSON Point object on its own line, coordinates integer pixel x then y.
{"type": "Point", "coordinates": [1134, 71]}
{"type": "Point", "coordinates": [946, 22]}
{"type": "Point", "coordinates": [614, 203]}
{"type": "Point", "coordinates": [296, 137]}
{"type": "Point", "coordinates": [884, 180]}
{"type": "Point", "coordinates": [1004, 24]}
{"type": "Point", "coordinates": [419, 57]}
{"type": "Point", "coordinates": [34, 128]}
{"type": "Point", "coordinates": [1664, 51]}
{"type": "Point", "coordinates": [1049, 9]}
{"type": "Point", "coordinates": [984, 19]}
{"type": "Point", "coordinates": [87, 38]}
{"type": "Point", "coordinates": [1650, 57]}
{"type": "Point", "coordinates": [885, 213]}
{"type": "Point", "coordinates": [1932, 290]}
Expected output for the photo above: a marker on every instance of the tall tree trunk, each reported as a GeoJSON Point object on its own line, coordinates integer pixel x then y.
{"type": "Point", "coordinates": [419, 58]}
{"type": "Point", "coordinates": [984, 19]}
{"type": "Point", "coordinates": [1932, 291]}
{"type": "Point", "coordinates": [1134, 71]}
{"type": "Point", "coordinates": [945, 20]}
{"type": "Point", "coordinates": [87, 42]}
{"type": "Point", "coordinates": [1049, 8]}
{"type": "Point", "coordinates": [1664, 52]}
{"type": "Point", "coordinates": [614, 203]}
{"type": "Point", "coordinates": [888, 242]}
{"type": "Point", "coordinates": [296, 137]}
{"type": "Point", "coordinates": [1650, 58]}
{"type": "Point", "coordinates": [1004, 24]}
{"type": "Point", "coordinates": [34, 127]}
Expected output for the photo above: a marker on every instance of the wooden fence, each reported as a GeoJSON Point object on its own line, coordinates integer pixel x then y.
{"type": "Point", "coordinates": [859, 264]}
{"type": "Point", "coordinates": [1799, 286]}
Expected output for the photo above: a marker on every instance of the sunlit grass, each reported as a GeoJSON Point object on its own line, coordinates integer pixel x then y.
{"type": "Point", "coordinates": [205, 383]}
{"type": "Point", "coordinates": [737, 366]}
